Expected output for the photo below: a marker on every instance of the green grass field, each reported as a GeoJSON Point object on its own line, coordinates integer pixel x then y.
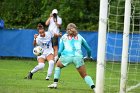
{"type": "Point", "coordinates": [12, 73]}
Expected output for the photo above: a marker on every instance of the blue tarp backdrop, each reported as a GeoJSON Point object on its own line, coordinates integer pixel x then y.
{"type": "Point", "coordinates": [16, 42]}
{"type": "Point", "coordinates": [114, 47]}
{"type": "Point", "coordinates": [1, 24]}
{"type": "Point", "coordinates": [19, 43]}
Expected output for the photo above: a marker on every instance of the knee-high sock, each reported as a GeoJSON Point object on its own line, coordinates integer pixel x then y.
{"type": "Point", "coordinates": [50, 68]}
{"type": "Point", "coordinates": [57, 73]}
{"type": "Point", "coordinates": [88, 80]}
{"type": "Point", "coordinates": [38, 67]}
{"type": "Point", "coordinates": [55, 58]}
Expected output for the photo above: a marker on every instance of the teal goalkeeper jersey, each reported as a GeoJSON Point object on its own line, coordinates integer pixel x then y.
{"type": "Point", "coordinates": [72, 46]}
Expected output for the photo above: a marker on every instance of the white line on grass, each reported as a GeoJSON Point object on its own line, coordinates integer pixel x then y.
{"type": "Point", "coordinates": [133, 87]}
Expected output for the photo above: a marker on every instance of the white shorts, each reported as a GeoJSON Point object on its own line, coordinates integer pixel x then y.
{"type": "Point", "coordinates": [46, 52]}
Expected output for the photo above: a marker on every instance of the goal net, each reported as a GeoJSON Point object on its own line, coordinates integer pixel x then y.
{"type": "Point", "coordinates": [133, 77]}
{"type": "Point", "coordinates": [114, 47]}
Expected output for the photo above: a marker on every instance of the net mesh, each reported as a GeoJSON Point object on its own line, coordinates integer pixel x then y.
{"type": "Point", "coordinates": [114, 47]}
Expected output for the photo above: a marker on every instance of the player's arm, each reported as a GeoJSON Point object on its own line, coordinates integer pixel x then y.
{"type": "Point", "coordinates": [61, 47]}
{"type": "Point", "coordinates": [59, 23]}
{"type": "Point", "coordinates": [86, 46]}
{"type": "Point", "coordinates": [35, 41]}
{"type": "Point", "coordinates": [48, 20]}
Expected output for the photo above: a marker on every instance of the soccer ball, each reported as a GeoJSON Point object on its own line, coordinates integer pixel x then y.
{"type": "Point", "coordinates": [37, 51]}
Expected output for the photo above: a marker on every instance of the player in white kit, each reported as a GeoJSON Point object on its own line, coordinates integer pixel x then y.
{"type": "Point", "coordinates": [43, 39]}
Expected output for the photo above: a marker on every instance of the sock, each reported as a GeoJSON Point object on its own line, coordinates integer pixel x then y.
{"type": "Point", "coordinates": [92, 86]}
{"type": "Point", "coordinates": [50, 68]}
{"type": "Point", "coordinates": [38, 67]}
{"type": "Point", "coordinates": [89, 81]}
{"type": "Point", "coordinates": [57, 73]}
{"type": "Point", "coordinates": [55, 58]}
{"type": "Point", "coordinates": [55, 81]}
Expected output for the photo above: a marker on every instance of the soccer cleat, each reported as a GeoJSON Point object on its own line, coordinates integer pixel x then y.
{"type": "Point", "coordinates": [29, 76]}
{"type": "Point", "coordinates": [47, 78]}
{"type": "Point", "coordinates": [54, 85]}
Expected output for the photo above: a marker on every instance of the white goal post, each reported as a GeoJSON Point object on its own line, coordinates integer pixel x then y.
{"type": "Point", "coordinates": [101, 46]}
{"type": "Point", "coordinates": [125, 47]}
{"type": "Point", "coordinates": [103, 16]}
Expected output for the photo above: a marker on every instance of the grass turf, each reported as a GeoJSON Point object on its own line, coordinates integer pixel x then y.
{"type": "Point", "coordinates": [12, 73]}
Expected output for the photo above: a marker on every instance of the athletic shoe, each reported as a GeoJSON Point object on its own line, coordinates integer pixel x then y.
{"type": "Point", "coordinates": [47, 78]}
{"type": "Point", "coordinates": [29, 76]}
{"type": "Point", "coordinates": [54, 85]}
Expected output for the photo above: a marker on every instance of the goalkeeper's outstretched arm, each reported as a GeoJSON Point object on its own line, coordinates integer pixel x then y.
{"type": "Point", "coordinates": [86, 46]}
{"type": "Point", "coordinates": [61, 47]}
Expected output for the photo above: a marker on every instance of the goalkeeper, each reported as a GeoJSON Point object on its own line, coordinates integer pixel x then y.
{"type": "Point", "coordinates": [70, 52]}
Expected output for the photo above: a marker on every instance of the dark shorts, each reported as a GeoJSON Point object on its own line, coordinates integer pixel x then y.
{"type": "Point", "coordinates": [55, 41]}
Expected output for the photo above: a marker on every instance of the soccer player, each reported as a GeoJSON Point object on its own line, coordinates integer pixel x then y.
{"type": "Point", "coordinates": [43, 39]}
{"type": "Point", "coordinates": [54, 22]}
{"type": "Point", "coordinates": [70, 52]}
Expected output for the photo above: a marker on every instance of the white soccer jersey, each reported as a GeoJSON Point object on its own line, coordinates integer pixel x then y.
{"type": "Point", "coordinates": [45, 42]}
{"type": "Point", "coordinates": [53, 27]}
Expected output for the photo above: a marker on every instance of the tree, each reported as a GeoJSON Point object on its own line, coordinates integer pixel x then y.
{"type": "Point", "coordinates": [27, 13]}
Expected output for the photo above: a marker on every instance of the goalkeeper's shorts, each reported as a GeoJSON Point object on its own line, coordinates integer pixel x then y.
{"type": "Point", "coordinates": [77, 61]}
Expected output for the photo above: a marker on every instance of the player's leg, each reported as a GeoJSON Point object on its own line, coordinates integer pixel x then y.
{"type": "Point", "coordinates": [40, 66]}
{"type": "Point", "coordinates": [55, 47]}
{"type": "Point", "coordinates": [57, 73]}
{"type": "Point", "coordinates": [62, 62]}
{"type": "Point", "coordinates": [55, 53]}
{"type": "Point", "coordinates": [51, 65]}
{"type": "Point", "coordinates": [82, 71]}
{"type": "Point", "coordinates": [88, 79]}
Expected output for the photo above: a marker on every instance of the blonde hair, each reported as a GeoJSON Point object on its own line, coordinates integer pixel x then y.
{"type": "Point", "coordinates": [72, 29]}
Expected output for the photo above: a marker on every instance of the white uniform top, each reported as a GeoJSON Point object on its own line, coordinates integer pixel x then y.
{"type": "Point", "coordinates": [53, 27]}
{"type": "Point", "coordinates": [45, 42]}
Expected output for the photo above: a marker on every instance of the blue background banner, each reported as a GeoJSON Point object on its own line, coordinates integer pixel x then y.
{"type": "Point", "coordinates": [19, 43]}
{"type": "Point", "coordinates": [114, 47]}
{"type": "Point", "coordinates": [1, 24]}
